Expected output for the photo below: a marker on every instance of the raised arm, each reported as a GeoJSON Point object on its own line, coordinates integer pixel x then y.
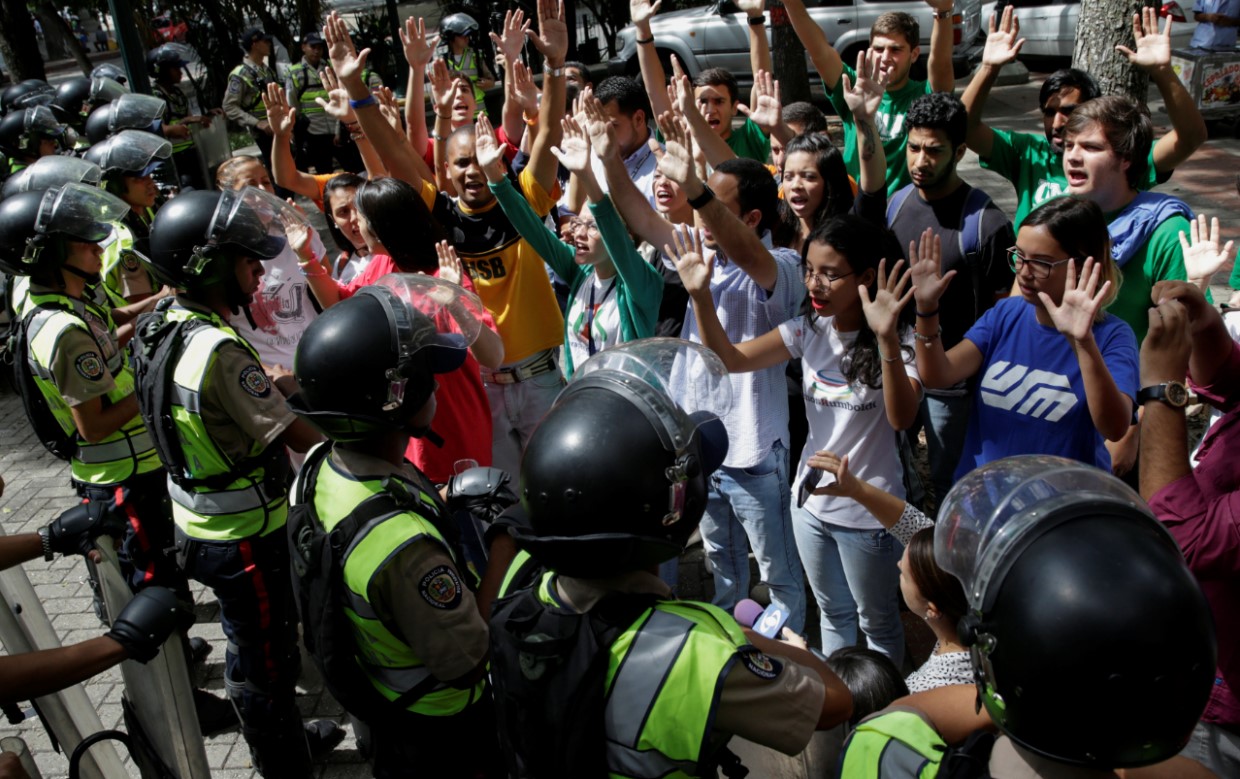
{"type": "Point", "coordinates": [488, 347]}
{"type": "Point", "coordinates": [418, 54]}
{"type": "Point", "coordinates": [1003, 44]}
{"type": "Point", "coordinates": [901, 393]}
{"type": "Point", "coordinates": [824, 56]}
{"type": "Point", "coordinates": [281, 116]}
{"type": "Point", "coordinates": [767, 110]}
{"type": "Point", "coordinates": [759, 46]}
{"type": "Point", "coordinates": [1153, 55]}
{"type": "Point", "coordinates": [654, 79]}
{"type": "Point", "coordinates": [552, 42]}
{"type": "Point", "coordinates": [509, 44]}
{"type": "Point", "coordinates": [938, 368]}
{"type": "Point", "coordinates": [738, 240]}
{"type": "Point", "coordinates": [680, 95]}
{"type": "Point", "coordinates": [864, 98]}
{"type": "Point", "coordinates": [695, 271]}
{"type": "Point", "coordinates": [1165, 355]}
{"type": "Point", "coordinates": [521, 105]}
{"type": "Point", "coordinates": [939, 67]}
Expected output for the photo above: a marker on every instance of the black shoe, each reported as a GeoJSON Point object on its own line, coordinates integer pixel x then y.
{"type": "Point", "coordinates": [215, 715]}
{"type": "Point", "coordinates": [323, 736]}
{"type": "Point", "coordinates": [199, 648]}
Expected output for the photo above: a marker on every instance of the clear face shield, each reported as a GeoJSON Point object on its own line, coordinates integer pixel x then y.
{"type": "Point", "coordinates": [54, 171]}
{"type": "Point", "coordinates": [135, 112]}
{"type": "Point", "coordinates": [43, 95]}
{"type": "Point", "coordinates": [103, 90]}
{"type": "Point", "coordinates": [135, 152]}
{"type": "Point", "coordinates": [246, 220]}
{"type": "Point", "coordinates": [75, 210]}
{"type": "Point", "coordinates": [682, 388]}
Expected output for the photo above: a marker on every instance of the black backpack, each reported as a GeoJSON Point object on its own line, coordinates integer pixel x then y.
{"type": "Point", "coordinates": [62, 445]}
{"type": "Point", "coordinates": [317, 572]}
{"type": "Point", "coordinates": [549, 673]}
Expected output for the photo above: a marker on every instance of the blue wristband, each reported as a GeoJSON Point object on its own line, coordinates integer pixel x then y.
{"type": "Point", "coordinates": [356, 104]}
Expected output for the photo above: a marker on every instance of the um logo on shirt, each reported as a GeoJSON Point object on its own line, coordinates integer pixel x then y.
{"type": "Point", "coordinates": [1039, 394]}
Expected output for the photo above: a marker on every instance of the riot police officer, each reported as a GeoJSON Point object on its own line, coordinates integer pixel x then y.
{"type": "Point", "coordinates": [166, 65]}
{"type": "Point", "coordinates": [671, 668]}
{"type": "Point", "coordinates": [26, 134]}
{"type": "Point", "coordinates": [314, 137]}
{"type": "Point", "coordinates": [220, 426]}
{"type": "Point", "coordinates": [243, 101]}
{"type": "Point", "coordinates": [461, 55]}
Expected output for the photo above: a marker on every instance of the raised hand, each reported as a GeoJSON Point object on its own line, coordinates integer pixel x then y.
{"type": "Point", "coordinates": [512, 37]}
{"type": "Point", "coordinates": [680, 89]}
{"type": "Point", "coordinates": [1202, 255]}
{"type": "Point", "coordinates": [337, 102]}
{"type": "Point", "coordinates": [691, 263]}
{"type": "Point", "coordinates": [1003, 43]}
{"type": "Point", "coordinates": [280, 115]}
{"type": "Point", "coordinates": [767, 110]}
{"type": "Point", "coordinates": [524, 88]}
{"type": "Point", "coordinates": [346, 61]}
{"type": "Point", "coordinates": [929, 283]}
{"type": "Point", "coordinates": [574, 150]}
{"type": "Point", "coordinates": [413, 38]}
{"type": "Point", "coordinates": [450, 267]}
{"type": "Point", "coordinates": [389, 108]}
{"type": "Point", "coordinates": [677, 161]}
{"type": "Point", "coordinates": [598, 127]}
{"type": "Point", "coordinates": [552, 36]}
{"type": "Point", "coordinates": [865, 96]}
{"type": "Point", "coordinates": [641, 10]}
{"type": "Point", "coordinates": [1153, 48]}
{"type": "Point", "coordinates": [1074, 316]}
{"type": "Point", "coordinates": [891, 295]}
{"type": "Point", "coordinates": [487, 149]}
{"type": "Point", "coordinates": [442, 88]}
{"type": "Point", "coordinates": [940, 5]}
{"type": "Point", "coordinates": [751, 7]}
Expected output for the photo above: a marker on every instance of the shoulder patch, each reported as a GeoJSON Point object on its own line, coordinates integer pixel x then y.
{"type": "Point", "coordinates": [255, 382]}
{"type": "Point", "coordinates": [130, 262]}
{"type": "Point", "coordinates": [234, 86]}
{"type": "Point", "coordinates": [759, 664]}
{"type": "Point", "coordinates": [441, 588]}
{"type": "Point", "coordinates": [89, 366]}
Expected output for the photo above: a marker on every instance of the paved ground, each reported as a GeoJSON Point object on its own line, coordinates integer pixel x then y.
{"type": "Point", "coordinates": [37, 486]}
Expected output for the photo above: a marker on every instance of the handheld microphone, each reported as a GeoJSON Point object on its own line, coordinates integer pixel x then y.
{"type": "Point", "coordinates": [765, 622]}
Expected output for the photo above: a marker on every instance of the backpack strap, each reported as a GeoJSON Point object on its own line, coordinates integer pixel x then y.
{"type": "Point", "coordinates": [896, 202]}
{"type": "Point", "coordinates": [970, 238]}
{"type": "Point", "coordinates": [53, 437]}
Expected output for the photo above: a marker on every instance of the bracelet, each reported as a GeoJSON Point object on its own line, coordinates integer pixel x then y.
{"type": "Point", "coordinates": [927, 339]}
{"type": "Point", "coordinates": [45, 537]}
{"type": "Point", "coordinates": [369, 100]}
{"type": "Point", "coordinates": [438, 137]}
{"type": "Point", "coordinates": [754, 21]}
{"type": "Point", "coordinates": [554, 72]}
{"type": "Point", "coordinates": [528, 121]}
{"type": "Point", "coordinates": [943, 14]}
{"type": "Point", "coordinates": [447, 117]}
{"type": "Point", "coordinates": [644, 41]}
{"type": "Point", "coordinates": [701, 200]}
{"type": "Point", "coordinates": [887, 359]}
{"type": "Point", "coordinates": [317, 263]}
{"type": "Point", "coordinates": [357, 136]}
{"type": "Point", "coordinates": [927, 314]}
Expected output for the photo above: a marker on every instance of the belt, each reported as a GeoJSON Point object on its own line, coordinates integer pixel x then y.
{"type": "Point", "coordinates": [544, 363]}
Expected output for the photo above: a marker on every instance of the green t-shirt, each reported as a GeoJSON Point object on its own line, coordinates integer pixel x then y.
{"type": "Point", "coordinates": [1158, 260]}
{"type": "Point", "coordinates": [749, 141]}
{"type": "Point", "coordinates": [1028, 161]}
{"type": "Point", "coordinates": [890, 121]}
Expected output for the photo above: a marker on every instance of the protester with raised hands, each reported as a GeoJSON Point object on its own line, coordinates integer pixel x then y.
{"type": "Point", "coordinates": [860, 385]}
{"type": "Point", "coordinates": [1204, 254]}
{"type": "Point", "coordinates": [1057, 372]}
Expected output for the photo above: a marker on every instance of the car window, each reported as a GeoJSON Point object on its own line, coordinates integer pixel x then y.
{"type": "Point", "coordinates": [1036, 3]}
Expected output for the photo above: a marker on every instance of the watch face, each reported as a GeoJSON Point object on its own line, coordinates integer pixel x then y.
{"type": "Point", "coordinates": [1177, 394]}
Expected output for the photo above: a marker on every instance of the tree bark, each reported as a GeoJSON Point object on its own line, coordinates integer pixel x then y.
{"type": "Point", "coordinates": [53, 21]}
{"type": "Point", "coordinates": [18, 43]}
{"type": "Point", "coordinates": [1105, 24]}
{"type": "Point", "coordinates": [787, 56]}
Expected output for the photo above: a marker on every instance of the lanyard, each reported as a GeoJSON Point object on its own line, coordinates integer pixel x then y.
{"type": "Point", "coordinates": [590, 314]}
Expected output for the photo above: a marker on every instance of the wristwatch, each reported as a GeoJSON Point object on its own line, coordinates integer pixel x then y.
{"type": "Point", "coordinates": [943, 14]}
{"type": "Point", "coordinates": [1173, 393]}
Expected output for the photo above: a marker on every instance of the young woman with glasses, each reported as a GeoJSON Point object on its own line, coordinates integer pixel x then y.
{"type": "Point", "coordinates": [1057, 374]}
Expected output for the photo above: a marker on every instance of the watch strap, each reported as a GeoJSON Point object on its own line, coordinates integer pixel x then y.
{"type": "Point", "coordinates": [1163, 392]}
{"type": "Point", "coordinates": [46, 539]}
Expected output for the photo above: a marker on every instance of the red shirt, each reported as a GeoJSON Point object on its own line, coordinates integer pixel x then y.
{"type": "Point", "coordinates": [510, 150]}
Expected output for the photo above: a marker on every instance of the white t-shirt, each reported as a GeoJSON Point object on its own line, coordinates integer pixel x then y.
{"type": "Point", "coordinates": [355, 265]}
{"type": "Point", "coordinates": [848, 419]}
{"type": "Point", "coordinates": [281, 310]}
{"type": "Point", "coordinates": [598, 296]}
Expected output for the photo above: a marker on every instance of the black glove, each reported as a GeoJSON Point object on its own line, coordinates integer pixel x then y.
{"type": "Point", "coordinates": [483, 492]}
{"type": "Point", "coordinates": [145, 623]}
{"type": "Point", "coordinates": [75, 531]}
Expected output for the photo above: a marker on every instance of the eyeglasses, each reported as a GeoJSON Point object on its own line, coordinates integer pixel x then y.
{"type": "Point", "coordinates": [1041, 269]}
{"type": "Point", "coordinates": [813, 279]}
{"type": "Point", "coordinates": [573, 225]}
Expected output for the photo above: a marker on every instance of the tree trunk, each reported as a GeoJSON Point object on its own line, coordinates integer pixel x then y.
{"type": "Point", "coordinates": [787, 56]}
{"type": "Point", "coordinates": [18, 43]}
{"type": "Point", "coordinates": [1104, 25]}
{"type": "Point", "coordinates": [72, 47]}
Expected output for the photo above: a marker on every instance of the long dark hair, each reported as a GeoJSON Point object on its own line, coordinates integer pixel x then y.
{"type": "Point", "coordinates": [937, 586]}
{"type": "Point", "coordinates": [339, 183]}
{"type": "Point", "coordinates": [837, 200]}
{"type": "Point", "coordinates": [863, 244]}
{"type": "Point", "coordinates": [400, 220]}
{"type": "Point", "coordinates": [1080, 229]}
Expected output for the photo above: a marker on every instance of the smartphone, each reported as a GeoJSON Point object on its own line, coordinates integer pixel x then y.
{"type": "Point", "coordinates": [808, 485]}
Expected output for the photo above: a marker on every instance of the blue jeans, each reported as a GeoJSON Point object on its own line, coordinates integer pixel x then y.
{"type": "Point", "coordinates": [946, 421]}
{"type": "Point", "coordinates": [855, 577]}
{"type": "Point", "coordinates": [749, 507]}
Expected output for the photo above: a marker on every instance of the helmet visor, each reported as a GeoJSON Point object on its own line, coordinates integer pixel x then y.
{"type": "Point", "coordinates": [83, 213]}
{"type": "Point", "coordinates": [135, 112]}
{"type": "Point", "coordinates": [40, 119]}
{"type": "Point", "coordinates": [134, 151]}
{"type": "Point", "coordinates": [105, 90]}
{"type": "Point", "coordinates": [247, 220]}
{"type": "Point", "coordinates": [179, 54]}
{"type": "Point", "coordinates": [990, 511]}
{"type": "Point", "coordinates": [111, 71]}
{"type": "Point", "coordinates": [451, 308]}
{"type": "Point", "coordinates": [41, 95]}
{"type": "Point", "coordinates": [53, 171]}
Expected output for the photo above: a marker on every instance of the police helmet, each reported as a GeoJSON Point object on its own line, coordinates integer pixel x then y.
{"type": "Point", "coordinates": [111, 71]}
{"type": "Point", "coordinates": [26, 94]}
{"type": "Point", "coordinates": [127, 112]}
{"type": "Point", "coordinates": [614, 478]}
{"type": "Point", "coordinates": [197, 237]}
{"type": "Point", "coordinates": [54, 171]}
{"type": "Point", "coordinates": [163, 58]}
{"type": "Point", "coordinates": [367, 365]}
{"type": "Point", "coordinates": [131, 152]}
{"type": "Point", "coordinates": [1091, 641]}
{"type": "Point", "coordinates": [34, 225]}
{"type": "Point", "coordinates": [22, 131]}
{"type": "Point", "coordinates": [72, 102]}
{"type": "Point", "coordinates": [457, 24]}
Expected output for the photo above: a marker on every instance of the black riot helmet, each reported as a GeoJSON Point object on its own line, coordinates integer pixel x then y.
{"type": "Point", "coordinates": [108, 70]}
{"type": "Point", "coordinates": [72, 102]}
{"type": "Point", "coordinates": [197, 237]}
{"type": "Point", "coordinates": [52, 171]}
{"type": "Point", "coordinates": [655, 405]}
{"type": "Point", "coordinates": [127, 112]}
{"type": "Point", "coordinates": [367, 365]}
{"type": "Point", "coordinates": [162, 59]}
{"type": "Point", "coordinates": [22, 130]}
{"type": "Point", "coordinates": [458, 24]}
{"type": "Point", "coordinates": [1077, 593]}
{"type": "Point", "coordinates": [129, 152]}
{"type": "Point", "coordinates": [26, 94]}
{"type": "Point", "coordinates": [35, 225]}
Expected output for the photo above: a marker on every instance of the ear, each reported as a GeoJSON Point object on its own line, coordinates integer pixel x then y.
{"type": "Point", "coordinates": [752, 219]}
{"type": "Point", "coordinates": [915, 52]}
{"type": "Point", "coordinates": [868, 277]}
{"type": "Point", "coordinates": [960, 150]}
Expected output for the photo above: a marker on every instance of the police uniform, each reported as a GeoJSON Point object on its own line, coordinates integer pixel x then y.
{"type": "Point", "coordinates": [416, 620]}
{"type": "Point", "coordinates": [230, 513]}
{"type": "Point", "coordinates": [315, 144]}
{"type": "Point", "coordinates": [124, 277]}
{"type": "Point", "coordinates": [473, 68]}
{"type": "Point", "coordinates": [243, 101]}
{"type": "Point", "coordinates": [184, 154]}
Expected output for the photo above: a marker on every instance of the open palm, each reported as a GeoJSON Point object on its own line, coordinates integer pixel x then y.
{"type": "Point", "coordinates": [929, 281]}
{"type": "Point", "coordinates": [1074, 316]}
{"type": "Point", "coordinates": [891, 295]}
{"type": "Point", "coordinates": [1203, 254]}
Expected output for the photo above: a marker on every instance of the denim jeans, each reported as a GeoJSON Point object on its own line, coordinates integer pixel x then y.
{"type": "Point", "coordinates": [1215, 748]}
{"type": "Point", "coordinates": [749, 507]}
{"type": "Point", "coordinates": [855, 578]}
{"type": "Point", "coordinates": [946, 421]}
{"type": "Point", "coordinates": [516, 409]}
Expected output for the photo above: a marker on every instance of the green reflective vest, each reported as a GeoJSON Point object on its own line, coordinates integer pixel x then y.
{"type": "Point", "coordinates": [468, 66]}
{"type": "Point", "coordinates": [118, 258]}
{"type": "Point", "coordinates": [390, 663]}
{"type": "Point", "coordinates": [255, 83]}
{"type": "Point", "coordinates": [307, 86]}
{"type": "Point", "coordinates": [899, 744]}
{"type": "Point", "coordinates": [246, 506]}
{"type": "Point", "coordinates": [178, 109]}
{"type": "Point", "coordinates": [123, 454]}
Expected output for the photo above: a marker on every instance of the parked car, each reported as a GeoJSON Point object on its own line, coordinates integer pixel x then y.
{"type": "Point", "coordinates": [1049, 26]}
{"type": "Point", "coordinates": [169, 31]}
{"type": "Point", "coordinates": [717, 35]}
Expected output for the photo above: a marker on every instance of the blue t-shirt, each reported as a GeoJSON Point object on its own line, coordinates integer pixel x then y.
{"type": "Point", "coordinates": [1031, 398]}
